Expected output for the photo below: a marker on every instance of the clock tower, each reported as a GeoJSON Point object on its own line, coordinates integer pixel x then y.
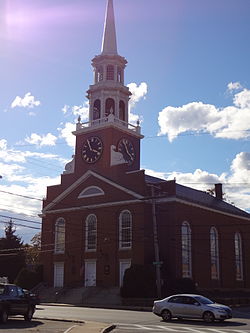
{"type": "Point", "coordinates": [107, 143]}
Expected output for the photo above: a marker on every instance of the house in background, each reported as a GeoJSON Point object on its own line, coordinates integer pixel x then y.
{"type": "Point", "coordinates": [108, 214]}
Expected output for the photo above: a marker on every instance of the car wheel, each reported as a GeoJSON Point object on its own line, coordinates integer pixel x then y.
{"type": "Point", "coordinates": [208, 317]}
{"type": "Point", "coordinates": [4, 316]}
{"type": "Point", "coordinates": [28, 316]}
{"type": "Point", "coordinates": [166, 315]}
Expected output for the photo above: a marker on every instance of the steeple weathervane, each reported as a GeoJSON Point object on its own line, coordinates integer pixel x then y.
{"type": "Point", "coordinates": [109, 45]}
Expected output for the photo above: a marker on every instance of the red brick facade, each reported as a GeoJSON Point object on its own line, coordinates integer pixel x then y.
{"type": "Point", "coordinates": [86, 240]}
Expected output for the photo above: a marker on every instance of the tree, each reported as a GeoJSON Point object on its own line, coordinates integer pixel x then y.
{"type": "Point", "coordinates": [33, 251]}
{"type": "Point", "coordinates": [12, 256]}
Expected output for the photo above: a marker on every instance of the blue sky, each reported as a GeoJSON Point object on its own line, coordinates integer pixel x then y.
{"type": "Point", "coordinates": [188, 69]}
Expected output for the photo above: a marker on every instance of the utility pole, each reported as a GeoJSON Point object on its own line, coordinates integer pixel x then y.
{"type": "Point", "coordinates": [157, 262]}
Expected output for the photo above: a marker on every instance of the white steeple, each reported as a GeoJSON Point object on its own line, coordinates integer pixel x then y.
{"type": "Point", "coordinates": [109, 46]}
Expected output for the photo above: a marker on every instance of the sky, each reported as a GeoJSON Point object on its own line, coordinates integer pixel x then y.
{"type": "Point", "coordinates": [188, 71]}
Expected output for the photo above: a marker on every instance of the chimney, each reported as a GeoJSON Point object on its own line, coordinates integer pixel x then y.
{"type": "Point", "coordinates": [218, 191]}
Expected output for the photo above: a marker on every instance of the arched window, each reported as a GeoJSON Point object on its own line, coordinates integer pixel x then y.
{"type": "Point", "coordinates": [97, 109]}
{"type": "Point", "coordinates": [214, 254]}
{"type": "Point", "coordinates": [238, 256]}
{"type": "Point", "coordinates": [110, 72]}
{"type": "Point", "coordinates": [60, 235]}
{"type": "Point", "coordinates": [91, 191]}
{"type": "Point", "coordinates": [125, 230]}
{"type": "Point", "coordinates": [91, 233]}
{"type": "Point", "coordinates": [119, 75]}
{"type": "Point", "coordinates": [99, 73]}
{"type": "Point", "coordinates": [109, 106]}
{"type": "Point", "coordinates": [186, 250]}
{"type": "Point", "coordinates": [122, 110]}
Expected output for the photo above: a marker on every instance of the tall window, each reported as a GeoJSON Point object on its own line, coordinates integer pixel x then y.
{"type": "Point", "coordinates": [110, 72]}
{"type": "Point", "coordinates": [91, 233]}
{"type": "Point", "coordinates": [125, 230]}
{"type": "Point", "coordinates": [214, 254]}
{"type": "Point", "coordinates": [99, 74]}
{"type": "Point", "coordinates": [238, 256]}
{"type": "Point", "coordinates": [60, 235]}
{"type": "Point", "coordinates": [119, 75]}
{"type": "Point", "coordinates": [186, 250]}
{"type": "Point", "coordinates": [122, 110]}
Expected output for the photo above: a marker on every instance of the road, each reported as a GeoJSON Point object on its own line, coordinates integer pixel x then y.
{"type": "Point", "coordinates": [141, 322]}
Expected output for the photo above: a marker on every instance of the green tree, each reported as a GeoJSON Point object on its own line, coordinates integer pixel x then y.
{"type": "Point", "coordinates": [12, 256]}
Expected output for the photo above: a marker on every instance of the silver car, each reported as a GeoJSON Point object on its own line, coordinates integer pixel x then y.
{"type": "Point", "coordinates": [191, 306]}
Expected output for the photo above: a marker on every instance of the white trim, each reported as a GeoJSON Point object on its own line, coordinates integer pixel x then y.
{"type": "Point", "coordinates": [98, 192]}
{"type": "Point", "coordinates": [112, 204]}
{"type": "Point", "coordinates": [83, 178]}
{"type": "Point", "coordinates": [121, 230]}
{"type": "Point", "coordinates": [121, 274]}
{"type": "Point", "coordinates": [143, 200]}
{"type": "Point", "coordinates": [200, 206]}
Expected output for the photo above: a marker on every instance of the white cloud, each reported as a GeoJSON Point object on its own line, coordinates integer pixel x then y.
{"type": "Point", "coordinates": [28, 101]}
{"type": "Point", "coordinates": [232, 122]}
{"type": "Point", "coordinates": [234, 86]}
{"type": "Point", "coordinates": [138, 92]}
{"type": "Point", "coordinates": [42, 140]}
{"type": "Point", "coordinates": [235, 184]}
{"type": "Point", "coordinates": [78, 110]}
{"type": "Point", "coordinates": [66, 133]}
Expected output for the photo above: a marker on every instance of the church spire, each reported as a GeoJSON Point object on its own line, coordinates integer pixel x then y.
{"type": "Point", "coordinates": [109, 46]}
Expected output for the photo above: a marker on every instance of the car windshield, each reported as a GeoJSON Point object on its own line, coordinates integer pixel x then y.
{"type": "Point", "coordinates": [203, 300]}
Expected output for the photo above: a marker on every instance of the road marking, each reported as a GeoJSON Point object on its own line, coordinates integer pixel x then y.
{"type": "Point", "coordinates": [143, 327]}
{"type": "Point", "coordinates": [167, 328]}
{"type": "Point", "coordinates": [179, 329]}
{"type": "Point", "coordinates": [71, 328]}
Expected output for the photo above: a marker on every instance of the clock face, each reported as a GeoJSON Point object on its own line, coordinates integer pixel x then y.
{"type": "Point", "coordinates": [126, 148]}
{"type": "Point", "coordinates": [92, 149]}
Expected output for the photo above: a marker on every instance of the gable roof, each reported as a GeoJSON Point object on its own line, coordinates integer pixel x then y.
{"type": "Point", "coordinates": [81, 180]}
{"type": "Point", "coordinates": [200, 197]}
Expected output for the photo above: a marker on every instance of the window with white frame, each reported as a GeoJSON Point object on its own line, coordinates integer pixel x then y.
{"type": "Point", "coordinates": [60, 235]}
{"type": "Point", "coordinates": [214, 254]}
{"type": "Point", "coordinates": [186, 250]}
{"type": "Point", "coordinates": [238, 256]}
{"type": "Point", "coordinates": [125, 230]}
{"type": "Point", "coordinates": [91, 233]}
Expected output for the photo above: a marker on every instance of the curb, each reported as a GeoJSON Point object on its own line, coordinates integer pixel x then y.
{"type": "Point", "coordinates": [108, 329]}
{"type": "Point", "coordinates": [75, 321]}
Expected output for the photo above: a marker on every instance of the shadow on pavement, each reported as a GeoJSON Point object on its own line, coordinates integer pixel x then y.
{"type": "Point", "coordinates": [19, 324]}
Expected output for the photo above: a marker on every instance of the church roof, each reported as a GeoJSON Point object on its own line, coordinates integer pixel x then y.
{"type": "Point", "coordinates": [109, 45]}
{"type": "Point", "coordinates": [200, 197]}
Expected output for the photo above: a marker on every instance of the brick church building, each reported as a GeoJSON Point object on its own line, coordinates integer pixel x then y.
{"type": "Point", "coordinates": [108, 214]}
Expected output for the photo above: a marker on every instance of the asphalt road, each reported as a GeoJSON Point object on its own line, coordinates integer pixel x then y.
{"type": "Point", "coordinates": [141, 321]}
{"type": "Point", "coordinates": [19, 325]}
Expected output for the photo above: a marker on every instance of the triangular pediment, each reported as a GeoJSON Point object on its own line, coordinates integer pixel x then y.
{"type": "Point", "coordinates": [90, 181]}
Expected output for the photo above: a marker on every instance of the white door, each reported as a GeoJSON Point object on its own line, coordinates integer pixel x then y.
{"type": "Point", "coordinates": [58, 274]}
{"type": "Point", "coordinates": [124, 264]}
{"type": "Point", "coordinates": [90, 274]}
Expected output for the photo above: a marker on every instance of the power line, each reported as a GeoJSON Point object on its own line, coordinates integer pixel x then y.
{"type": "Point", "coordinates": [19, 219]}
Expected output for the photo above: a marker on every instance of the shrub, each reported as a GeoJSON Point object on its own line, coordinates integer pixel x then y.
{"type": "Point", "coordinates": [27, 279]}
{"type": "Point", "coordinates": [139, 281]}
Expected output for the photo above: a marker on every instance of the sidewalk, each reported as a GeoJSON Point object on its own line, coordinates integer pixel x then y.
{"type": "Point", "coordinates": [91, 327]}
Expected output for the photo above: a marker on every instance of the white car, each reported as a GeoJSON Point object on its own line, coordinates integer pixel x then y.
{"type": "Point", "coordinates": [191, 306]}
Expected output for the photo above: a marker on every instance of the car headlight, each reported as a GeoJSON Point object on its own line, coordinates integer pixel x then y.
{"type": "Point", "coordinates": [222, 311]}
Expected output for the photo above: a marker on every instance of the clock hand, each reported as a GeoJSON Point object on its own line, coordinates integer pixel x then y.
{"type": "Point", "coordinates": [90, 148]}
{"type": "Point", "coordinates": [126, 148]}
